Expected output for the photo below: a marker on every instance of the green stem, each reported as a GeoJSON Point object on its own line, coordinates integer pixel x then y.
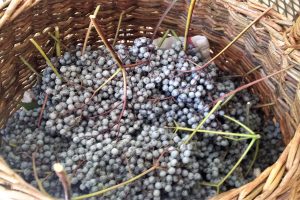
{"type": "Point", "coordinates": [175, 34]}
{"type": "Point", "coordinates": [118, 28]}
{"type": "Point", "coordinates": [38, 47]}
{"type": "Point", "coordinates": [239, 123]}
{"type": "Point", "coordinates": [238, 162]}
{"type": "Point", "coordinates": [232, 42]}
{"type": "Point", "coordinates": [88, 32]}
{"type": "Point", "coordinates": [58, 49]}
{"type": "Point", "coordinates": [218, 185]}
{"type": "Point", "coordinates": [236, 139]}
{"type": "Point", "coordinates": [254, 139]}
{"type": "Point", "coordinates": [163, 38]}
{"type": "Point", "coordinates": [203, 121]}
{"type": "Point", "coordinates": [56, 40]}
{"type": "Point", "coordinates": [108, 80]}
{"type": "Point", "coordinates": [30, 67]}
{"type": "Point", "coordinates": [227, 100]}
{"type": "Point", "coordinates": [264, 105]}
{"type": "Point", "coordinates": [254, 157]}
{"type": "Point", "coordinates": [117, 186]}
{"type": "Point", "coordinates": [248, 106]}
{"type": "Point", "coordinates": [209, 184]}
{"type": "Point", "coordinates": [188, 22]}
{"type": "Point", "coordinates": [35, 174]}
{"type": "Point", "coordinates": [218, 189]}
{"type": "Point", "coordinates": [248, 136]}
{"type": "Point", "coordinates": [252, 70]}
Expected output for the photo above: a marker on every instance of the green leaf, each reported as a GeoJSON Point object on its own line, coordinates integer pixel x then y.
{"type": "Point", "coordinates": [29, 106]}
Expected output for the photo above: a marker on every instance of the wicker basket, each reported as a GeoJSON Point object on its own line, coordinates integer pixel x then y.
{"type": "Point", "coordinates": [289, 8]}
{"type": "Point", "coordinates": [271, 43]}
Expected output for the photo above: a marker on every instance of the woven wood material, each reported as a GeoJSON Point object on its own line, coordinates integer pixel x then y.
{"type": "Point", "coordinates": [290, 8]}
{"type": "Point", "coordinates": [272, 43]}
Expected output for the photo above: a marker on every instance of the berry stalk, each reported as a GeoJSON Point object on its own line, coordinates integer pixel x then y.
{"type": "Point", "coordinates": [231, 43]}
{"type": "Point", "coordinates": [203, 121]}
{"type": "Point", "coordinates": [188, 23]}
{"type": "Point", "coordinates": [118, 28]}
{"type": "Point", "coordinates": [38, 47]}
{"type": "Point", "coordinates": [89, 30]}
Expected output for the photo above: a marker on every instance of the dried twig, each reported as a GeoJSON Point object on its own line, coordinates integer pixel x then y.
{"type": "Point", "coordinates": [99, 88]}
{"type": "Point", "coordinates": [89, 30]}
{"type": "Point", "coordinates": [118, 28]}
{"type": "Point", "coordinates": [81, 163]}
{"type": "Point", "coordinates": [252, 70]}
{"type": "Point", "coordinates": [129, 170]}
{"type": "Point", "coordinates": [118, 185]}
{"type": "Point", "coordinates": [62, 175]}
{"type": "Point", "coordinates": [106, 81]}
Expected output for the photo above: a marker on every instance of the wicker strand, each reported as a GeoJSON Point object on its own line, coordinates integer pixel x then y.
{"type": "Point", "coordinates": [15, 187]}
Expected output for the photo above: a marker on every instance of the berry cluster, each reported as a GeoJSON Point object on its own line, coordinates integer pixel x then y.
{"type": "Point", "coordinates": [100, 144]}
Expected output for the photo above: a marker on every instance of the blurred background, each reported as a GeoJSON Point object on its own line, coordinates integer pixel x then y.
{"type": "Point", "coordinates": [289, 8]}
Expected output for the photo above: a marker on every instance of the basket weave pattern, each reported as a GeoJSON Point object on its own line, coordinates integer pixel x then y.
{"type": "Point", "coordinates": [289, 8]}
{"type": "Point", "coordinates": [272, 43]}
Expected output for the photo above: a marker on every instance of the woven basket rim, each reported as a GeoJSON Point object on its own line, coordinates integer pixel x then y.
{"type": "Point", "coordinates": [278, 179]}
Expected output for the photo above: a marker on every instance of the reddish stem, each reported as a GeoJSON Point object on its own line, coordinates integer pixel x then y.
{"type": "Point", "coordinates": [106, 112]}
{"type": "Point", "coordinates": [105, 41]}
{"type": "Point", "coordinates": [198, 67]}
{"type": "Point", "coordinates": [136, 64]}
{"type": "Point", "coordinates": [63, 177]}
{"type": "Point", "coordinates": [81, 163]}
{"type": "Point", "coordinates": [155, 100]}
{"type": "Point", "coordinates": [42, 110]}
{"type": "Point", "coordinates": [250, 84]}
{"type": "Point", "coordinates": [156, 163]}
{"type": "Point", "coordinates": [162, 18]}
{"type": "Point", "coordinates": [124, 101]}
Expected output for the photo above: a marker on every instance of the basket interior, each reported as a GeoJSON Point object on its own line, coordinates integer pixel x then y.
{"type": "Point", "coordinates": [210, 18]}
{"type": "Point", "coordinates": [250, 51]}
